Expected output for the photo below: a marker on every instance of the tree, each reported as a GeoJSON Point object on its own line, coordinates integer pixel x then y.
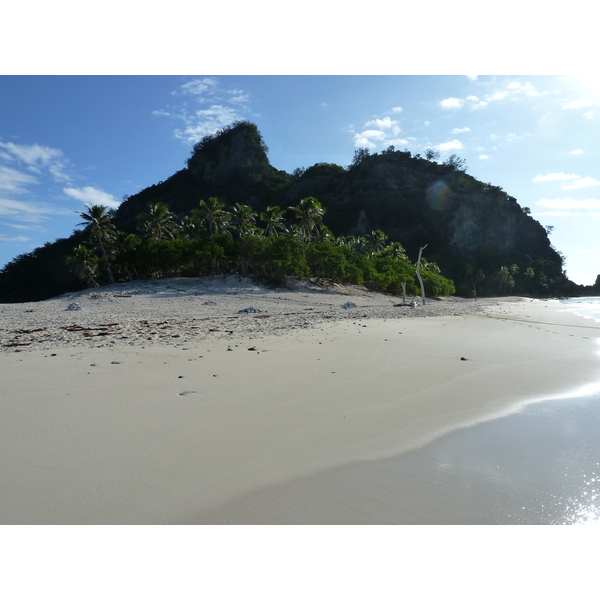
{"type": "Point", "coordinates": [396, 251]}
{"type": "Point", "coordinates": [273, 219]}
{"type": "Point", "coordinates": [98, 224]}
{"type": "Point", "coordinates": [85, 263]}
{"type": "Point", "coordinates": [456, 163]}
{"type": "Point", "coordinates": [243, 219]}
{"type": "Point", "coordinates": [432, 155]}
{"type": "Point", "coordinates": [159, 222]}
{"type": "Point", "coordinates": [191, 226]}
{"type": "Point", "coordinates": [376, 242]}
{"type": "Point", "coordinates": [359, 155]}
{"type": "Point", "coordinates": [310, 214]}
{"type": "Point", "coordinates": [213, 212]}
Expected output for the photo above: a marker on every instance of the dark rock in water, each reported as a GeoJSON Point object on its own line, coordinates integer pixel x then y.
{"type": "Point", "coordinates": [463, 358]}
{"type": "Point", "coordinates": [252, 349]}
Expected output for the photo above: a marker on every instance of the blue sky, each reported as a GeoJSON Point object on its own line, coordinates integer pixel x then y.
{"type": "Point", "coordinates": [68, 141]}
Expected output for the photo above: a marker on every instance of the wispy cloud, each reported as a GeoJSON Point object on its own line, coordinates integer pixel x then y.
{"type": "Point", "coordinates": [26, 211]}
{"type": "Point", "coordinates": [197, 87]}
{"type": "Point", "coordinates": [37, 159]}
{"type": "Point", "coordinates": [225, 107]}
{"type": "Point", "coordinates": [578, 104]}
{"type": "Point", "coordinates": [567, 203]}
{"type": "Point", "coordinates": [18, 238]}
{"type": "Point", "coordinates": [90, 195]}
{"type": "Point", "coordinates": [12, 180]}
{"type": "Point", "coordinates": [554, 177]}
{"type": "Point", "coordinates": [512, 91]}
{"type": "Point", "coordinates": [578, 151]}
{"type": "Point", "coordinates": [581, 183]}
{"type": "Point", "coordinates": [460, 130]}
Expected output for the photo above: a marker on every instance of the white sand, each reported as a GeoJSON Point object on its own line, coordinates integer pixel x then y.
{"type": "Point", "coordinates": [139, 426]}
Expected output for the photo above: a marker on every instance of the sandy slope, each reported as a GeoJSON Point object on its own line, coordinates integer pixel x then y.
{"type": "Point", "coordinates": [137, 425]}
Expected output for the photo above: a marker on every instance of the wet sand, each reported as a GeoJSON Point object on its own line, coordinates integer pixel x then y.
{"type": "Point", "coordinates": [289, 418]}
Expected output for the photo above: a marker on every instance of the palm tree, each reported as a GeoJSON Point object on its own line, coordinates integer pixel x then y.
{"type": "Point", "coordinates": [243, 219]}
{"type": "Point", "coordinates": [98, 223]}
{"type": "Point", "coordinates": [191, 226]}
{"type": "Point", "coordinates": [158, 222]}
{"type": "Point", "coordinates": [85, 262]}
{"type": "Point", "coordinates": [310, 214]}
{"type": "Point", "coordinates": [126, 245]}
{"type": "Point", "coordinates": [376, 242]}
{"type": "Point", "coordinates": [213, 212]}
{"type": "Point", "coordinates": [396, 250]}
{"type": "Point", "coordinates": [273, 217]}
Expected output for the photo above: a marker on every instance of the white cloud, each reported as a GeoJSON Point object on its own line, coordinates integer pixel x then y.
{"type": "Point", "coordinates": [473, 77]}
{"type": "Point", "coordinates": [588, 115]}
{"type": "Point", "coordinates": [460, 130]}
{"type": "Point", "coordinates": [566, 203]}
{"type": "Point", "coordinates": [26, 227]}
{"type": "Point", "coordinates": [452, 103]}
{"type": "Point", "coordinates": [483, 156]}
{"type": "Point", "coordinates": [368, 138]}
{"type": "Point", "coordinates": [514, 90]}
{"type": "Point", "coordinates": [497, 96]}
{"type": "Point", "coordinates": [511, 137]}
{"type": "Point", "coordinates": [38, 157]}
{"type": "Point", "coordinates": [397, 109]}
{"type": "Point", "coordinates": [447, 146]}
{"type": "Point", "coordinates": [241, 98]}
{"type": "Point", "coordinates": [385, 123]}
{"type": "Point", "coordinates": [577, 104]}
{"type": "Point", "coordinates": [28, 211]}
{"type": "Point", "coordinates": [205, 122]}
{"type": "Point", "coordinates": [198, 87]}
{"type": "Point", "coordinates": [581, 183]}
{"type": "Point", "coordinates": [12, 180]}
{"type": "Point", "coordinates": [578, 151]}
{"type": "Point", "coordinates": [225, 107]}
{"type": "Point", "coordinates": [89, 195]}
{"type": "Point", "coordinates": [18, 238]}
{"type": "Point", "coordinates": [554, 177]}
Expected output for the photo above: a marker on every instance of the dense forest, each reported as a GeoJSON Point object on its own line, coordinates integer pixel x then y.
{"type": "Point", "coordinates": [231, 211]}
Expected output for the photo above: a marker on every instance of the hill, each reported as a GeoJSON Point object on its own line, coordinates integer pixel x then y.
{"type": "Point", "coordinates": [477, 234]}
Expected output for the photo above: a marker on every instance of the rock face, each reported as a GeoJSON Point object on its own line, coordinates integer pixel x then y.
{"type": "Point", "coordinates": [238, 153]}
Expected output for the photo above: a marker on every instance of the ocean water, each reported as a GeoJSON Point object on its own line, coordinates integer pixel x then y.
{"type": "Point", "coordinates": [584, 307]}
{"type": "Point", "coordinates": [538, 466]}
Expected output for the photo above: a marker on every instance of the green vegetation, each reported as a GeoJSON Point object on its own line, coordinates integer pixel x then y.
{"type": "Point", "coordinates": [231, 211]}
{"type": "Point", "coordinates": [226, 240]}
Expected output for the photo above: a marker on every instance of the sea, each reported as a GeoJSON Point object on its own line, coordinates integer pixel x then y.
{"type": "Point", "coordinates": [540, 465]}
{"type": "Point", "coordinates": [537, 466]}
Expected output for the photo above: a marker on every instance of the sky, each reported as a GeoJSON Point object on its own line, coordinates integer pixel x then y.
{"type": "Point", "coordinates": [71, 141]}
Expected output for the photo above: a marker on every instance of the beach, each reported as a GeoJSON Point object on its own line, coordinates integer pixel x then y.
{"type": "Point", "coordinates": [216, 400]}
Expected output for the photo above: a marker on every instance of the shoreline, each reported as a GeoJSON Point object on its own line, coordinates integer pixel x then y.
{"type": "Point", "coordinates": [164, 432]}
